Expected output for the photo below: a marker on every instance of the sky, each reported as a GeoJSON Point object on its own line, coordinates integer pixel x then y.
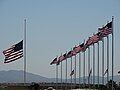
{"type": "Point", "coordinates": [54, 27]}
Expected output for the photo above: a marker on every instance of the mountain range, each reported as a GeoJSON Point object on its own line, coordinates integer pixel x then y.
{"type": "Point", "coordinates": [15, 76]}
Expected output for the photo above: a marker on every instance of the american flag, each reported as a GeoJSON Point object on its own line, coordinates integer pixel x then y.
{"type": "Point", "coordinates": [119, 72]}
{"type": "Point", "coordinates": [106, 30]}
{"type": "Point", "coordinates": [105, 72]}
{"type": "Point", "coordinates": [96, 37]}
{"type": "Point", "coordinates": [14, 52]}
{"type": "Point", "coordinates": [72, 72]}
{"type": "Point", "coordinates": [89, 41]}
{"type": "Point", "coordinates": [54, 61]}
{"type": "Point", "coordinates": [78, 48]}
{"type": "Point", "coordinates": [90, 73]}
{"type": "Point", "coordinates": [69, 54]}
{"type": "Point", "coordinates": [61, 58]}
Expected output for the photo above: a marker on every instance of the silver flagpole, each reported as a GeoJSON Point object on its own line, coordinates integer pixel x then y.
{"type": "Point", "coordinates": [61, 75]}
{"type": "Point", "coordinates": [84, 69]}
{"type": "Point", "coordinates": [79, 68]}
{"type": "Point", "coordinates": [71, 71]}
{"type": "Point", "coordinates": [98, 63]}
{"type": "Point", "coordinates": [112, 52]}
{"type": "Point", "coordinates": [93, 65]}
{"type": "Point", "coordinates": [103, 61]}
{"type": "Point", "coordinates": [107, 59]}
{"type": "Point", "coordinates": [75, 71]}
{"type": "Point", "coordinates": [88, 66]}
{"type": "Point", "coordinates": [24, 51]}
{"type": "Point", "coordinates": [66, 72]}
{"type": "Point", "coordinates": [56, 76]}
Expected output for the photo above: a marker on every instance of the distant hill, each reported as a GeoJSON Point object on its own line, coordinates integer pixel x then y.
{"type": "Point", "coordinates": [15, 76]}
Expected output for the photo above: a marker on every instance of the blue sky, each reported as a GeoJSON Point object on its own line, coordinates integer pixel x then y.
{"type": "Point", "coordinates": [53, 27]}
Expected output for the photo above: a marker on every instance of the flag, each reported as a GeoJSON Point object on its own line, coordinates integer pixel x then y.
{"type": "Point", "coordinates": [96, 37]}
{"type": "Point", "coordinates": [14, 52]}
{"type": "Point", "coordinates": [54, 61]}
{"type": "Point", "coordinates": [69, 54]}
{"type": "Point", "coordinates": [90, 73]}
{"type": "Point", "coordinates": [89, 42]}
{"type": "Point", "coordinates": [61, 58]}
{"type": "Point", "coordinates": [72, 73]}
{"type": "Point", "coordinates": [106, 30]}
{"type": "Point", "coordinates": [73, 52]}
{"type": "Point", "coordinates": [105, 72]}
{"type": "Point", "coordinates": [119, 72]}
{"type": "Point", "coordinates": [78, 48]}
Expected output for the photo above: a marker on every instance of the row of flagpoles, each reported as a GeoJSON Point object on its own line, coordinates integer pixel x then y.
{"type": "Point", "coordinates": [103, 32]}
{"type": "Point", "coordinates": [17, 51]}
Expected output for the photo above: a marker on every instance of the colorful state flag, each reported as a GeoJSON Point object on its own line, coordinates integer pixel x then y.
{"type": "Point", "coordinates": [14, 52]}
{"type": "Point", "coordinates": [54, 61]}
{"type": "Point", "coordinates": [72, 73]}
{"type": "Point", "coordinates": [106, 30]}
{"type": "Point", "coordinates": [78, 48]}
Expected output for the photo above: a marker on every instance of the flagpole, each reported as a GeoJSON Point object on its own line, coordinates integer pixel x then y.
{"type": "Point", "coordinates": [103, 61]}
{"type": "Point", "coordinates": [66, 72]}
{"type": "Point", "coordinates": [112, 52]}
{"type": "Point", "coordinates": [93, 64]}
{"type": "Point", "coordinates": [71, 71]}
{"type": "Point", "coordinates": [79, 68]}
{"type": "Point", "coordinates": [107, 59]}
{"type": "Point", "coordinates": [88, 66]}
{"type": "Point", "coordinates": [98, 63]}
{"type": "Point", "coordinates": [84, 69]}
{"type": "Point", "coordinates": [24, 51]}
{"type": "Point", "coordinates": [75, 72]}
{"type": "Point", "coordinates": [56, 76]}
{"type": "Point", "coordinates": [61, 74]}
